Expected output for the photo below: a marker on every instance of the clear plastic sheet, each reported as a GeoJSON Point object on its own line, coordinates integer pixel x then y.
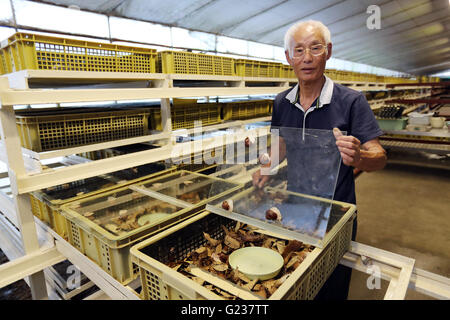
{"type": "Point", "coordinates": [151, 202]}
{"type": "Point", "coordinates": [296, 200]}
{"type": "Point", "coordinates": [124, 211]}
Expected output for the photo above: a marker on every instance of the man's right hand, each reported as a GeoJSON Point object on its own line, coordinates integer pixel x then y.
{"type": "Point", "coordinates": [259, 180]}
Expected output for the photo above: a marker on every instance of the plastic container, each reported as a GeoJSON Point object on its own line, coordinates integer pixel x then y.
{"type": "Point", "coordinates": [416, 118]}
{"type": "Point", "coordinates": [324, 225]}
{"type": "Point", "coordinates": [288, 72]}
{"type": "Point", "coordinates": [50, 132]}
{"type": "Point", "coordinates": [184, 116]}
{"type": "Point", "coordinates": [331, 73]}
{"type": "Point", "coordinates": [380, 79]}
{"type": "Point", "coordinates": [255, 68]}
{"type": "Point", "coordinates": [38, 52]}
{"type": "Point", "coordinates": [46, 203]}
{"type": "Point", "coordinates": [240, 110]}
{"type": "Point", "coordinates": [392, 124]}
{"type": "Point", "coordinates": [182, 62]}
{"type": "Point", "coordinates": [437, 122]}
{"type": "Point", "coordinates": [159, 282]}
{"type": "Point", "coordinates": [104, 226]}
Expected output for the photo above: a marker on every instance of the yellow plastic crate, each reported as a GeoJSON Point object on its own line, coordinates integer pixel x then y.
{"type": "Point", "coordinates": [2, 64]}
{"type": "Point", "coordinates": [371, 77]}
{"type": "Point", "coordinates": [354, 76]}
{"type": "Point", "coordinates": [240, 110]}
{"type": "Point", "coordinates": [255, 68]}
{"type": "Point", "coordinates": [331, 73]}
{"type": "Point", "coordinates": [112, 251]}
{"type": "Point", "coordinates": [182, 62]}
{"type": "Point", "coordinates": [46, 204]}
{"type": "Point", "coordinates": [343, 75]}
{"type": "Point", "coordinates": [183, 116]}
{"type": "Point", "coordinates": [288, 72]}
{"type": "Point", "coordinates": [380, 79]}
{"type": "Point", "coordinates": [158, 280]}
{"type": "Point", "coordinates": [51, 132]}
{"type": "Point", "coordinates": [38, 52]}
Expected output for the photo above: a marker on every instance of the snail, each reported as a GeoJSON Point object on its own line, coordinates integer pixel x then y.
{"type": "Point", "coordinates": [228, 205]}
{"type": "Point", "coordinates": [273, 214]}
{"type": "Point", "coordinates": [264, 158]}
{"type": "Point", "coordinates": [249, 141]}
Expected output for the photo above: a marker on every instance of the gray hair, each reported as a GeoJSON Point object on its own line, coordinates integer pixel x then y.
{"type": "Point", "coordinates": [290, 33]}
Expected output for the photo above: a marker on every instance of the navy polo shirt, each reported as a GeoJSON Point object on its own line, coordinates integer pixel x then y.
{"type": "Point", "coordinates": [337, 106]}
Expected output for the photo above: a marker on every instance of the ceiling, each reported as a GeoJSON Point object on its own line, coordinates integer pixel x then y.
{"type": "Point", "coordinates": [414, 36]}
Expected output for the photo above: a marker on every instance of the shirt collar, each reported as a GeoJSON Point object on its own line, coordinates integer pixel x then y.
{"type": "Point", "coordinates": [324, 98]}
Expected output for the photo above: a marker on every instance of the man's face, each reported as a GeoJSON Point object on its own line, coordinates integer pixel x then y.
{"type": "Point", "coordinates": [308, 68]}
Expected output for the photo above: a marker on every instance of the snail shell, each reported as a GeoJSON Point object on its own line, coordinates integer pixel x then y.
{"type": "Point", "coordinates": [228, 205]}
{"type": "Point", "coordinates": [264, 158]}
{"type": "Point", "coordinates": [249, 141]}
{"type": "Point", "coordinates": [273, 214]}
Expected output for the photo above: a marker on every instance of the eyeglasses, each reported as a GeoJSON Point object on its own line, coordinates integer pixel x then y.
{"type": "Point", "coordinates": [315, 50]}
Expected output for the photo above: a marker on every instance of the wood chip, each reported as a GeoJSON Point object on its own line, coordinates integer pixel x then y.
{"type": "Point", "coordinates": [241, 276]}
{"type": "Point", "coordinates": [200, 281]}
{"type": "Point", "coordinates": [293, 245]}
{"type": "Point", "coordinates": [216, 258]}
{"type": "Point", "coordinates": [232, 243]}
{"type": "Point", "coordinates": [281, 280]}
{"type": "Point", "coordinates": [268, 243]}
{"type": "Point", "coordinates": [220, 267]}
{"type": "Point", "coordinates": [212, 241]}
{"type": "Point", "coordinates": [280, 246]}
{"type": "Point", "coordinates": [251, 284]}
{"type": "Point", "coordinates": [262, 292]}
{"type": "Point", "coordinates": [269, 285]}
{"type": "Point", "coordinates": [237, 227]}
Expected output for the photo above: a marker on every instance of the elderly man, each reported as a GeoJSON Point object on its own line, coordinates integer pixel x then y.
{"type": "Point", "coordinates": [316, 102]}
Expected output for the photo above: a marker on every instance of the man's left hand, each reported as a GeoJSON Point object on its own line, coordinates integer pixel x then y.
{"type": "Point", "coordinates": [349, 147]}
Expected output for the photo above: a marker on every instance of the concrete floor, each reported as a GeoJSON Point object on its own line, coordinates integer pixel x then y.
{"type": "Point", "coordinates": [405, 210]}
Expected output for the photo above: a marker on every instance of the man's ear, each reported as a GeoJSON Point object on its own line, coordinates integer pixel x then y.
{"type": "Point", "coordinates": [288, 58]}
{"type": "Point", "coordinates": [329, 50]}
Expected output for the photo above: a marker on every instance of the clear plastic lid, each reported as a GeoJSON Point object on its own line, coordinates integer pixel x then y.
{"type": "Point", "coordinates": [292, 197]}
{"type": "Point", "coordinates": [186, 188]}
{"type": "Point", "coordinates": [124, 211]}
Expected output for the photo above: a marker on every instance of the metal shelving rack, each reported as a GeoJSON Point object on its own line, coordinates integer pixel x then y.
{"type": "Point", "coordinates": [32, 246]}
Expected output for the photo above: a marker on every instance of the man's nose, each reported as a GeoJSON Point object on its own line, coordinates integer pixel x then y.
{"type": "Point", "coordinates": [307, 58]}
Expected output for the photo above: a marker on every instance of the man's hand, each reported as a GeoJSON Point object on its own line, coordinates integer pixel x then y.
{"type": "Point", "coordinates": [259, 180]}
{"type": "Point", "coordinates": [349, 147]}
